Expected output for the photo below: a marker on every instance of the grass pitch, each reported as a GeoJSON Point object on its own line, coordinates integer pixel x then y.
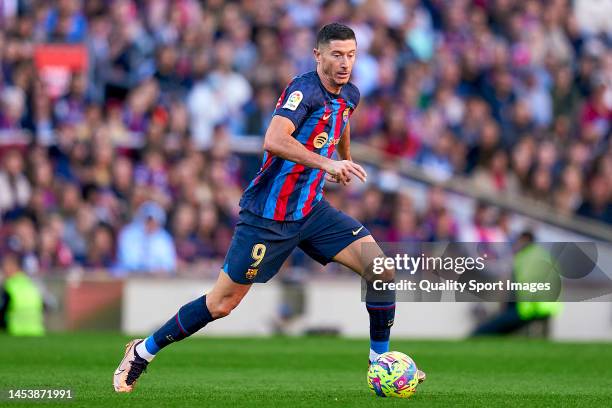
{"type": "Point", "coordinates": [308, 372]}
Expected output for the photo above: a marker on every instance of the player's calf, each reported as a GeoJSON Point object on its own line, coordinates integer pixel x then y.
{"type": "Point", "coordinates": [360, 256]}
{"type": "Point", "coordinates": [380, 305]}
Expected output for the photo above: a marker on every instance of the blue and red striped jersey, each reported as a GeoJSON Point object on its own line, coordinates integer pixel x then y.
{"type": "Point", "coordinates": [286, 191]}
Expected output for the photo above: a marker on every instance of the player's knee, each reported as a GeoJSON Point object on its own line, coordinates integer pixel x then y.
{"type": "Point", "coordinates": [374, 273]}
{"type": "Point", "coordinates": [223, 307]}
{"type": "Point", "coordinates": [379, 268]}
{"type": "Point", "coordinates": [220, 311]}
{"type": "Point", "coordinates": [388, 275]}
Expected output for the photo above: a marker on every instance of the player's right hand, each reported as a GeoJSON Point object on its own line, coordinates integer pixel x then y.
{"type": "Point", "coordinates": [343, 169]}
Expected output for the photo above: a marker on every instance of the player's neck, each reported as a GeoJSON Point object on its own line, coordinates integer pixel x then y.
{"type": "Point", "coordinates": [328, 83]}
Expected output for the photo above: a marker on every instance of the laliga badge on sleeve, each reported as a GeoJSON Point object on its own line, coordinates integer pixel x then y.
{"type": "Point", "coordinates": [293, 101]}
{"type": "Point", "coordinates": [345, 114]}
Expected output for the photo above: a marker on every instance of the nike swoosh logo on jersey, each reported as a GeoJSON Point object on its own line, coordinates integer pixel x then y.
{"type": "Point", "coordinates": [357, 231]}
{"type": "Point", "coordinates": [325, 117]}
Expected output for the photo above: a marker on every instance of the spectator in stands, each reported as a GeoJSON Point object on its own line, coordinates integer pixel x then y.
{"type": "Point", "coordinates": [71, 107]}
{"type": "Point", "coordinates": [101, 247]}
{"type": "Point", "coordinates": [438, 223]}
{"type": "Point", "coordinates": [497, 177]}
{"type": "Point", "coordinates": [598, 204]}
{"type": "Point", "coordinates": [438, 160]}
{"type": "Point", "coordinates": [13, 107]}
{"type": "Point", "coordinates": [218, 99]}
{"type": "Point", "coordinates": [485, 227]}
{"type": "Point", "coordinates": [15, 189]}
{"type": "Point", "coordinates": [569, 197]}
{"type": "Point", "coordinates": [565, 93]}
{"type": "Point", "coordinates": [77, 231]}
{"type": "Point", "coordinates": [144, 245]}
{"type": "Point", "coordinates": [122, 184]}
{"type": "Point", "coordinates": [208, 245]}
{"type": "Point", "coordinates": [184, 225]}
{"type": "Point", "coordinates": [66, 23]}
{"type": "Point", "coordinates": [259, 111]}
{"type": "Point", "coordinates": [53, 254]}
{"type": "Point", "coordinates": [488, 143]}
{"type": "Point", "coordinates": [23, 239]}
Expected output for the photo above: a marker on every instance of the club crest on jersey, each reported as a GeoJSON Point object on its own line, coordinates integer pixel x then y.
{"type": "Point", "coordinates": [320, 140]}
{"type": "Point", "coordinates": [251, 273]}
{"type": "Point", "coordinates": [345, 114]}
{"type": "Point", "coordinates": [293, 101]}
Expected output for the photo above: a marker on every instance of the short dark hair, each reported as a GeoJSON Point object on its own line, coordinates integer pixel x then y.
{"type": "Point", "coordinates": [334, 31]}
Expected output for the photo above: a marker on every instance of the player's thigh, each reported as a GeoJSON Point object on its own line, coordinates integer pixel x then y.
{"type": "Point", "coordinates": [359, 256]}
{"type": "Point", "coordinates": [331, 235]}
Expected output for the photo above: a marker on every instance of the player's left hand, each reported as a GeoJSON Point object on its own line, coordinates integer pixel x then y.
{"type": "Point", "coordinates": [343, 169]}
{"type": "Point", "coordinates": [331, 178]}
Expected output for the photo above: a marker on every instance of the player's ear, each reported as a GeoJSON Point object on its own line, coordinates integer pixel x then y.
{"type": "Point", "coordinates": [317, 54]}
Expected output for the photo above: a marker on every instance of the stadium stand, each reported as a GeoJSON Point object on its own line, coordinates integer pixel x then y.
{"type": "Point", "coordinates": [506, 103]}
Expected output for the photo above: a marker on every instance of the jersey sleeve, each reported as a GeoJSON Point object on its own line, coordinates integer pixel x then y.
{"type": "Point", "coordinates": [294, 102]}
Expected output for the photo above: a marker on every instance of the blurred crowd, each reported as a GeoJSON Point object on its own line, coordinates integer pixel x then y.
{"type": "Point", "coordinates": [134, 157]}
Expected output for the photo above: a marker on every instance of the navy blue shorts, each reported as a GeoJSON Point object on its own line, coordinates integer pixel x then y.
{"type": "Point", "coordinates": [260, 245]}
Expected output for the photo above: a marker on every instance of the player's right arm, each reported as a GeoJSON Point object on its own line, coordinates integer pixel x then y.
{"type": "Point", "coordinates": [280, 142]}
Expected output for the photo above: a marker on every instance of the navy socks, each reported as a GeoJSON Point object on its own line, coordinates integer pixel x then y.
{"type": "Point", "coordinates": [382, 315]}
{"type": "Point", "coordinates": [195, 315]}
{"type": "Point", "coordinates": [189, 319]}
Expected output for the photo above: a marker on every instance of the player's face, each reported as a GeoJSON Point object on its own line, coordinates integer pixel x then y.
{"type": "Point", "coordinates": [336, 60]}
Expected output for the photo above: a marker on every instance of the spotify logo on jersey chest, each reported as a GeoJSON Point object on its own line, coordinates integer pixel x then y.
{"type": "Point", "coordinates": [321, 139]}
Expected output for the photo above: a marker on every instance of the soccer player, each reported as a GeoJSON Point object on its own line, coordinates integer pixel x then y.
{"type": "Point", "coordinates": [283, 207]}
